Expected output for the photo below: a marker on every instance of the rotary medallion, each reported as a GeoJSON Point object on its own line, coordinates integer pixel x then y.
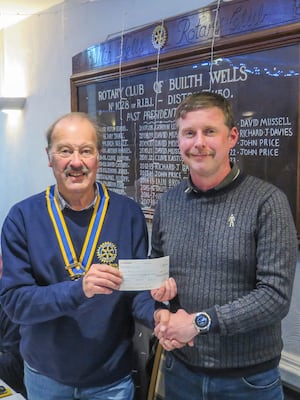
{"type": "Point", "coordinates": [107, 253]}
{"type": "Point", "coordinates": [159, 36]}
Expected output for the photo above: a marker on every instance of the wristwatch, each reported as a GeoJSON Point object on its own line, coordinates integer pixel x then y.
{"type": "Point", "coordinates": [202, 322]}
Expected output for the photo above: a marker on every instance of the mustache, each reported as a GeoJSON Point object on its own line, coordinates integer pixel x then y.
{"type": "Point", "coordinates": [69, 169]}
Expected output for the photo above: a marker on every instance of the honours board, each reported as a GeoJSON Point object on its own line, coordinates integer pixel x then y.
{"type": "Point", "coordinates": [140, 153]}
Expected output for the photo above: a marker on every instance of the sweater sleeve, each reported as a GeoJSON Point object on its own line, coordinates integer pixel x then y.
{"type": "Point", "coordinates": [23, 299]}
{"type": "Point", "coordinates": [276, 257]}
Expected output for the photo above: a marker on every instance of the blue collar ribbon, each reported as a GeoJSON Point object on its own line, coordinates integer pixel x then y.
{"type": "Point", "coordinates": [76, 268]}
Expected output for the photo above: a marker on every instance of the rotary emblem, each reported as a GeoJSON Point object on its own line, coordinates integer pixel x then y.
{"type": "Point", "coordinates": [107, 253]}
{"type": "Point", "coordinates": [159, 36]}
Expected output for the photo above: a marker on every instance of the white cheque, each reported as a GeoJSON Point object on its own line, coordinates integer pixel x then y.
{"type": "Point", "coordinates": [144, 274]}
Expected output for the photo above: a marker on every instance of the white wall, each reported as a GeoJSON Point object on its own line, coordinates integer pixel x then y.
{"type": "Point", "coordinates": [36, 62]}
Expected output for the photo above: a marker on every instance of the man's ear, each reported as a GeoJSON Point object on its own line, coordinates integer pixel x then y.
{"type": "Point", "coordinates": [49, 157]}
{"type": "Point", "coordinates": [234, 136]}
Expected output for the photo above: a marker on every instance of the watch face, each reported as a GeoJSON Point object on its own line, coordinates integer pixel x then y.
{"type": "Point", "coordinates": [202, 320]}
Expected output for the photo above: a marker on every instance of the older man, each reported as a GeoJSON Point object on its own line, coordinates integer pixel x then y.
{"type": "Point", "coordinates": [60, 282]}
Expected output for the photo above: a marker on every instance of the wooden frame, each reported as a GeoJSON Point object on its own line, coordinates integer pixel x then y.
{"type": "Point", "coordinates": [229, 48]}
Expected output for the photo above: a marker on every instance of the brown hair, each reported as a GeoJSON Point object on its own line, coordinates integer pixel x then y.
{"type": "Point", "coordinates": [197, 101]}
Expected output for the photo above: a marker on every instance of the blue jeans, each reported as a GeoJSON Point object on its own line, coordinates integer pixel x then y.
{"type": "Point", "coordinates": [40, 387]}
{"type": "Point", "coordinates": [183, 384]}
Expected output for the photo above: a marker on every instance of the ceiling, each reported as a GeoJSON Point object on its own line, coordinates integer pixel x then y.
{"type": "Point", "coordinates": [13, 11]}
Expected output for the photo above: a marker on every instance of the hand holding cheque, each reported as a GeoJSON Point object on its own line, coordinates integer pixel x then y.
{"type": "Point", "coordinates": [148, 274]}
{"type": "Point", "coordinates": [151, 274]}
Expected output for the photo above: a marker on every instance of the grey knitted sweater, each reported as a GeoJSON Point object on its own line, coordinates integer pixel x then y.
{"type": "Point", "coordinates": [232, 251]}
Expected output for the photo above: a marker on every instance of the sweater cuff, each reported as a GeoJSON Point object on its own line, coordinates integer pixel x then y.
{"type": "Point", "coordinates": [215, 326]}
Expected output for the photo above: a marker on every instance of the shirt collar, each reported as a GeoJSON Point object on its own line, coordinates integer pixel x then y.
{"type": "Point", "coordinates": [62, 203]}
{"type": "Point", "coordinates": [233, 174]}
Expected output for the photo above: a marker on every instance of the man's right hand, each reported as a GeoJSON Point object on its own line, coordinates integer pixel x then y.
{"type": "Point", "coordinates": [174, 330]}
{"type": "Point", "coordinates": [101, 279]}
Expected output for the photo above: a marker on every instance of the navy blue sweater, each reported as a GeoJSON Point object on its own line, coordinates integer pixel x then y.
{"type": "Point", "coordinates": [64, 335]}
